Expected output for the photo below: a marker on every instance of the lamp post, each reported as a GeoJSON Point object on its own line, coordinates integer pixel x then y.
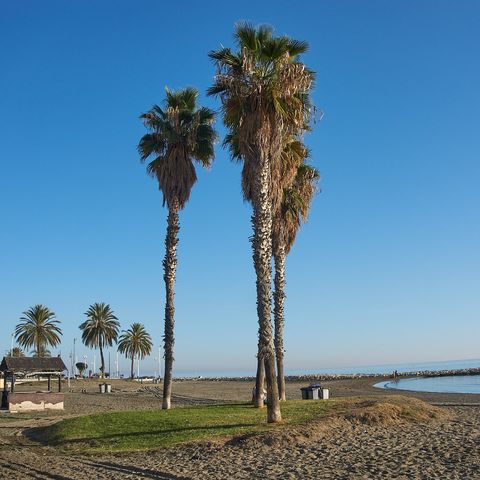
{"type": "Point", "coordinates": [74, 356]}
{"type": "Point", "coordinates": [85, 361]}
{"type": "Point", "coordinates": [160, 362]}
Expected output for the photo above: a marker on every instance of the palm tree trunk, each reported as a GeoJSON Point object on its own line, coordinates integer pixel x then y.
{"type": "Point", "coordinates": [279, 316]}
{"type": "Point", "coordinates": [102, 362]}
{"type": "Point", "coordinates": [132, 366]}
{"type": "Point", "coordinates": [262, 259]}
{"type": "Point", "coordinates": [259, 383]}
{"type": "Point", "coordinates": [170, 269]}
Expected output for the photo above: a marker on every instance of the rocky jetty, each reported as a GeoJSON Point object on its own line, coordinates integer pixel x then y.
{"type": "Point", "coordinates": [341, 376]}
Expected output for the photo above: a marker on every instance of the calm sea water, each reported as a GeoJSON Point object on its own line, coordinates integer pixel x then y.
{"type": "Point", "coordinates": [366, 369]}
{"type": "Point", "coordinates": [454, 384]}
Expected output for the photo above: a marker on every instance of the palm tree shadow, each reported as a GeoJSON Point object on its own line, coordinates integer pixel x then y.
{"type": "Point", "coordinates": [129, 469]}
{"type": "Point", "coordinates": [34, 472]}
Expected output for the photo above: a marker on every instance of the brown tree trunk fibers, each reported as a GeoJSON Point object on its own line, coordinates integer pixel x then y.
{"type": "Point", "coordinates": [170, 269]}
{"type": "Point", "coordinates": [259, 383]}
{"type": "Point", "coordinates": [279, 317]}
{"type": "Point", "coordinates": [102, 362]}
{"type": "Point", "coordinates": [262, 258]}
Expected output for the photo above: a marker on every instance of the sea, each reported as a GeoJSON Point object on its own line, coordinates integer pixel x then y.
{"type": "Point", "coordinates": [365, 369]}
{"type": "Point", "coordinates": [448, 384]}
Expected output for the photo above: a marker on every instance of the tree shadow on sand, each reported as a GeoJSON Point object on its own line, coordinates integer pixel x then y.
{"type": "Point", "coordinates": [129, 469]}
{"type": "Point", "coordinates": [27, 471]}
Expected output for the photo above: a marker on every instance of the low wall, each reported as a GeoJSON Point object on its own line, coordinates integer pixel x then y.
{"type": "Point", "coordinates": [31, 401]}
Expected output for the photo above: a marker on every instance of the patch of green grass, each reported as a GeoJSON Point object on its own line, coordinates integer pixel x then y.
{"type": "Point", "coordinates": [136, 430]}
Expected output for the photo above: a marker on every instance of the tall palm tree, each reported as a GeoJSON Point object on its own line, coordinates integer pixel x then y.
{"type": "Point", "coordinates": [263, 88]}
{"type": "Point", "coordinates": [135, 343]}
{"type": "Point", "coordinates": [100, 329]}
{"type": "Point", "coordinates": [286, 224]}
{"type": "Point", "coordinates": [38, 328]}
{"type": "Point", "coordinates": [178, 134]}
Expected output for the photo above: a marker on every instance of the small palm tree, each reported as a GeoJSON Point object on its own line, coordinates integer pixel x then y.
{"type": "Point", "coordinates": [135, 343]}
{"type": "Point", "coordinates": [177, 134]}
{"type": "Point", "coordinates": [16, 352]}
{"type": "Point", "coordinates": [286, 224]}
{"type": "Point", "coordinates": [38, 328]}
{"type": "Point", "coordinates": [100, 329]}
{"type": "Point", "coordinates": [264, 90]}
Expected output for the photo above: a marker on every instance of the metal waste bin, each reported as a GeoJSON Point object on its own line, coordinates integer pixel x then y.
{"type": "Point", "coordinates": [101, 386]}
{"type": "Point", "coordinates": [325, 393]}
{"type": "Point", "coordinates": [108, 388]}
{"type": "Point", "coordinates": [311, 392]}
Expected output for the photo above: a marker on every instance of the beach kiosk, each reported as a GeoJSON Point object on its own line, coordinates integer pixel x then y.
{"type": "Point", "coordinates": [16, 368]}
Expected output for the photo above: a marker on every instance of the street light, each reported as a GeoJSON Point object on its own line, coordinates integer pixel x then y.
{"type": "Point", "coordinates": [85, 361]}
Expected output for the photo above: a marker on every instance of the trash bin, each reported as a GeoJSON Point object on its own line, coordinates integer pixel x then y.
{"type": "Point", "coordinates": [311, 392]}
{"type": "Point", "coordinates": [102, 387]}
{"type": "Point", "coordinates": [108, 388]}
{"type": "Point", "coordinates": [325, 393]}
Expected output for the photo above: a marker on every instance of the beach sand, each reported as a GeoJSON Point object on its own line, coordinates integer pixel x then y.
{"type": "Point", "coordinates": [335, 449]}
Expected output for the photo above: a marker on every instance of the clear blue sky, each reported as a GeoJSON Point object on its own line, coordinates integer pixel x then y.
{"type": "Point", "coordinates": [387, 268]}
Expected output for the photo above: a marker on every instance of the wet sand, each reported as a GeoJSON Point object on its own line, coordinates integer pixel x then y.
{"type": "Point", "coordinates": [339, 449]}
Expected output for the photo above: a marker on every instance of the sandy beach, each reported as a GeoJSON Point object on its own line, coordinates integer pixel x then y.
{"type": "Point", "coordinates": [336, 448]}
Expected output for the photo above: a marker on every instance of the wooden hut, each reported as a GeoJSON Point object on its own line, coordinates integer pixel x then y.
{"type": "Point", "coordinates": [28, 367]}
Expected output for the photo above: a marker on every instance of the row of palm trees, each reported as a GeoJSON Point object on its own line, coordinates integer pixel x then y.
{"type": "Point", "coordinates": [39, 328]}
{"type": "Point", "coordinates": [264, 91]}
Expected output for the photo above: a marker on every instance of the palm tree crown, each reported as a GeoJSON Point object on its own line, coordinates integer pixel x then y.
{"type": "Point", "coordinates": [135, 343]}
{"type": "Point", "coordinates": [178, 133]}
{"type": "Point", "coordinates": [100, 329]}
{"type": "Point", "coordinates": [38, 328]}
{"type": "Point", "coordinates": [264, 90]}
{"type": "Point", "coordinates": [295, 206]}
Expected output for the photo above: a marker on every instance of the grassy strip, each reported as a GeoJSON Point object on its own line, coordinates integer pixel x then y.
{"type": "Point", "coordinates": [139, 430]}
{"type": "Point", "coordinates": [136, 430]}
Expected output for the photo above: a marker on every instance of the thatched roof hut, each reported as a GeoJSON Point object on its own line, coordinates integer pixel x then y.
{"type": "Point", "coordinates": [32, 365]}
